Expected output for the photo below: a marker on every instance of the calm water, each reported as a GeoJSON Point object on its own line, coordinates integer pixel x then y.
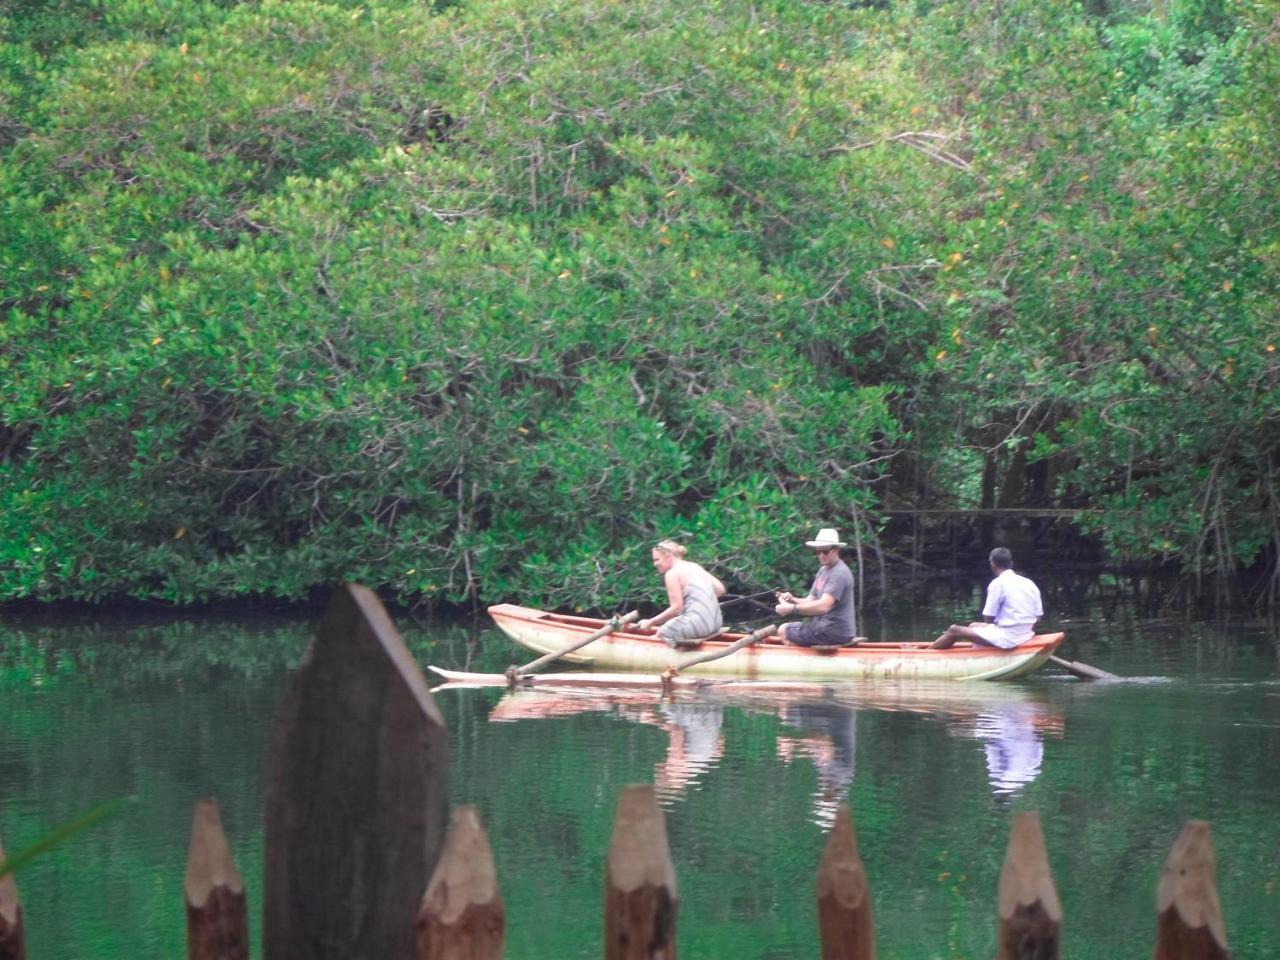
{"type": "Point", "coordinates": [169, 712]}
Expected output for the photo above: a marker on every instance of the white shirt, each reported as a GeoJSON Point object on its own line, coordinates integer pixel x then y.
{"type": "Point", "coordinates": [1013, 600]}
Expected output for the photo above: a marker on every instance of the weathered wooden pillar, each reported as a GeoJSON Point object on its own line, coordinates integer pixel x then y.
{"type": "Point", "coordinates": [640, 899]}
{"type": "Point", "coordinates": [461, 916]}
{"type": "Point", "coordinates": [1188, 915]}
{"type": "Point", "coordinates": [844, 897]}
{"type": "Point", "coordinates": [12, 943]}
{"type": "Point", "coordinates": [357, 793]}
{"type": "Point", "coordinates": [217, 919]}
{"type": "Point", "coordinates": [1030, 914]}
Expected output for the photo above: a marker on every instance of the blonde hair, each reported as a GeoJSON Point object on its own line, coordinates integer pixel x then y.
{"type": "Point", "coordinates": [672, 548]}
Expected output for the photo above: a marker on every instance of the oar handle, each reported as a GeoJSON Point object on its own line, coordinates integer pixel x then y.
{"type": "Point", "coordinates": [734, 647]}
{"type": "Point", "coordinates": [514, 673]}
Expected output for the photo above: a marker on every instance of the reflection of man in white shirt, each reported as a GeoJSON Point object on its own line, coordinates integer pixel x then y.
{"type": "Point", "coordinates": [1014, 749]}
{"type": "Point", "coordinates": [1013, 606]}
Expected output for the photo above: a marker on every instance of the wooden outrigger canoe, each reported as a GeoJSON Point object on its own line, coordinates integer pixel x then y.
{"type": "Point", "coordinates": [633, 651]}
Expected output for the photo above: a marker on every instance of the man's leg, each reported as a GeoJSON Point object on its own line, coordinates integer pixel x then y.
{"type": "Point", "coordinates": [808, 633]}
{"type": "Point", "coordinates": [956, 632]}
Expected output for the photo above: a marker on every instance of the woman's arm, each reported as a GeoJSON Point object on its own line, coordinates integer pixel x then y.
{"type": "Point", "coordinates": [675, 600]}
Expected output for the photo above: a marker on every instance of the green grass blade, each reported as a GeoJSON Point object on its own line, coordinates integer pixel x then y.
{"type": "Point", "coordinates": [64, 832]}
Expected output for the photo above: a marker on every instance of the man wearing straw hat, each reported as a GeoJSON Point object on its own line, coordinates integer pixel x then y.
{"type": "Point", "coordinates": [829, 602]}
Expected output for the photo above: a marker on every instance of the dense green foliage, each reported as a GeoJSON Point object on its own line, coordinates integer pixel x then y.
{"type": "Point", "coordinates": [478, 300]}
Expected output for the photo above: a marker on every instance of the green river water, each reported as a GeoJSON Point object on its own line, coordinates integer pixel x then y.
{"type": "Point", "coordinates": [168, 711]}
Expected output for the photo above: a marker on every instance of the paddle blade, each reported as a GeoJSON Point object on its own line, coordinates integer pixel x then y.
{"type": "Point", "coordinates": [1082, 670]}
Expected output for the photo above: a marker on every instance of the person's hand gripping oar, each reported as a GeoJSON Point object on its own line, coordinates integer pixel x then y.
{"type": "Point", "coordinates": [514, 673]}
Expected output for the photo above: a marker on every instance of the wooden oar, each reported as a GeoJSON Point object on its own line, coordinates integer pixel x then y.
{"type": "Point", "coordinates": [734, 647]}
{"type": "Point", "coordinates": [514, 673]}
{"type": "Point", "coordinates": [1082, 670]}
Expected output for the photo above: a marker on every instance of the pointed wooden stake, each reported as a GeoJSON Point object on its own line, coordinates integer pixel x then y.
{"type": "Point", "coordinates": [1188, 915]}
{"type": "Point", "coordinates": [357, 793]}
{"type": "Point", "coordinates": [1030, 914]}
{"type": "Point", "coordinates": [844, 897]}
{"type": "Point", "coordinates": [640, 900]}
{"type": "Point", "coordinates": [217, 919]}
{"type": "Point", "coordinates": [12, 944]}
{"type": "Point", "coordinates": [461, 916]}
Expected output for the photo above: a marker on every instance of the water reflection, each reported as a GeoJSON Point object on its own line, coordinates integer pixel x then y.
{"type": "Point", "coordinates": [1012, 735]}
{"type": "Point", "coordinates": [1015, 749]}
{"type": "Point", "coordinates": [829, 736]}
{"type": "Point", "coordinates": [1010, 722]}
{"type": "Point", "coordinates": [695, 744]}
{"type": "Point", "coordinates": [695, 740]}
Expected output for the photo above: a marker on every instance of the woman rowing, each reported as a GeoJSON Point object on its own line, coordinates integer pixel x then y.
{"type": "Point", "coordinates": [693, 612]}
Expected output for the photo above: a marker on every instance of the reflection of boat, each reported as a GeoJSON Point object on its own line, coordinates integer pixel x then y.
{"type": "Point", "coordinates": [640, 651]}
{"type": "Point", "coordinates": [1011, 721]}
{"type": "Point", "coordinates": [563, 694]}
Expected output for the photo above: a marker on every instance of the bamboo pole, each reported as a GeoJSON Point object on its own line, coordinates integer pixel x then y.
{"type": "Point", "coordinates": [1188, 915]}
{"type": "Point", "coordinates": [12, 942]}
{"type": "Point", "coordinates": [744, 641]}
{"type": "Point", "coordinates": [461, 916]}
{"type": "Point", "coordinates": [1030, 914]}
{"type": "Point", "coordinates": [514, 673]}
{"type": "Point", "coordinates": [640, 900]}
{"type": "Point", "coordinates": [357, 795]}
{"type": "Point", "coordinates": [844, 897]}
{"type": "Point", "coordinates": [217, 917]}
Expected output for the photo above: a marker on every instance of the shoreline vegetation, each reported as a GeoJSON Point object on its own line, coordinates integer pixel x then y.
{"type": "Point", "coordinates": [475, 302]}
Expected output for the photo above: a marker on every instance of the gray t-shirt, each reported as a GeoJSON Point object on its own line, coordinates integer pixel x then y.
{"type": "Point", "coordinates": [836, 580]}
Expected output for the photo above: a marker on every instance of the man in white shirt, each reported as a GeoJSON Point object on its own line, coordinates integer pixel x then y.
{"type": "Point", "coordinates": [1013, 606]}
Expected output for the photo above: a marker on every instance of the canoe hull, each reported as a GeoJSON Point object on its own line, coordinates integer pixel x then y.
{"type": "Point", "coordinates": [630, 650]}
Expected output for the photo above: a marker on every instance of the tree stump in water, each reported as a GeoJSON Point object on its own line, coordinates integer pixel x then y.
{"type": "Point", "coordinates": [217, 920]}
{"type": "Point", "coordinates": [844, 897]}
{"type": "Point", "coordinates": [461, 917]}
{"type": "Point", "coordinates": [357, 793]}
{"type": "Point", "coordinates": [1030, 914]}
{"type": "Point", "coordinates": [1188, 915]}
{"type": "Point", "coordinates": [640, 899]}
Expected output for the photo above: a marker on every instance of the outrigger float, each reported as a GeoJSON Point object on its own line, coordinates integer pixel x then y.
{"type": "Point", "coordinates": [628, 656]}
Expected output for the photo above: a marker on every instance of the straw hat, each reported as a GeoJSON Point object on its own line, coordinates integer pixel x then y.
{"type": "Point", "coordinates": [827, 537]}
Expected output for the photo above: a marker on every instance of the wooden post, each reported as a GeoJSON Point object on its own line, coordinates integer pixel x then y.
{"type": "Point", "coordinates": [461, 916]}
{"type": "Point", "coordinates": [217, 918]}
{"type": "Point", "coordinates": [357, 793]}
{"type": "Point", "coordinates": [12, 943]}
{"type": "Point", "coordinates": [640, 898]}
{"type": "Point", "coordinates": [844, 897]}
{"type": "Point", "coordinates": [1188, 914]}
{"type": "Point", "coordinates": [1030, 914]}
